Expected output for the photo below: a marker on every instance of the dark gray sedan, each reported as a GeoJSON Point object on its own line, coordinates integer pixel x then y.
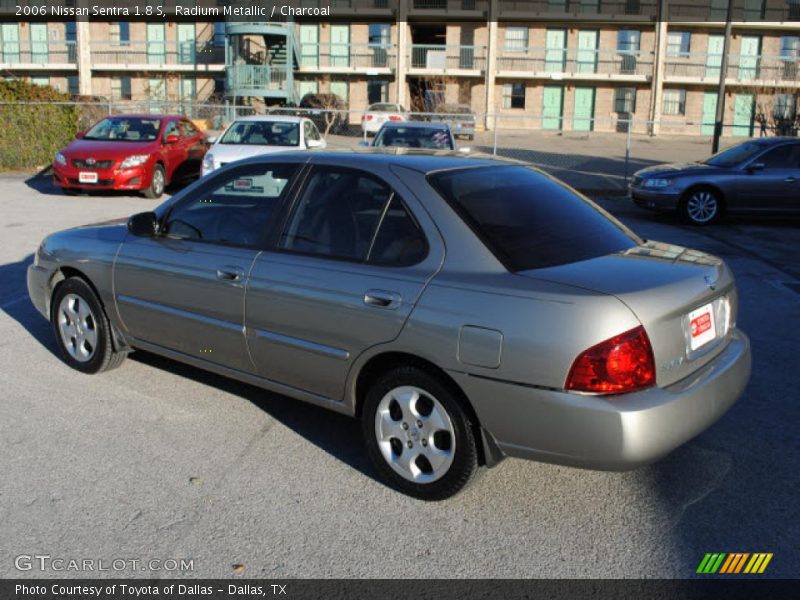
{"type": "Point", "coordinates": [464, 309]}
{"type": "Point", "coordinates": [758, 176]}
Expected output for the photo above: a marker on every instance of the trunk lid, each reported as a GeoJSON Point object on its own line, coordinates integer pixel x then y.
{"type": "Point", "coordinates": [668, 289]}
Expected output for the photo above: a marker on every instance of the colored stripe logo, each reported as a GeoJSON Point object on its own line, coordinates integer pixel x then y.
{"type": "Point", "coordinates": [734, 563]}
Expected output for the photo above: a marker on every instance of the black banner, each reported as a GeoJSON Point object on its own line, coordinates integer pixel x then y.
{"type": "Point", "coordinates": [293, 589]}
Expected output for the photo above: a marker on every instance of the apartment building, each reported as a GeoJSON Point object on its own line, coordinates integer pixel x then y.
{"type": "Point", "coordinates": [544, 64]}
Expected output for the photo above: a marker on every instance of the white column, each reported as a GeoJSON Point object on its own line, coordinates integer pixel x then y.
{"type": "Point", "coordinates": [659, 68]}
{"type": "Point", "coordinates": [491, 66]}
{"type": "Point", "coordinates": [403, 49]}
{"type": "Point", "coordinates": [84, 57]}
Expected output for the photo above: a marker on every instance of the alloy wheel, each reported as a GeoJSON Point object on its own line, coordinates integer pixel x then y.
{"type": "Point", "coordinates": [77, 326]}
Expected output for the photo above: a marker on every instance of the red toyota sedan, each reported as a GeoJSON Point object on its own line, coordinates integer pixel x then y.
{"type": "Point", "coordinates": [131, 152]}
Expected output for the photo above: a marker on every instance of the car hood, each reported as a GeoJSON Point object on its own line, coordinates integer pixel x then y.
{"type": "Point", "coordinates": [232, 152]}
{"type": "Point", "coordinates": [100, 150]}
{"type": "Point", "coordinates": [661, 283]}
{"type": "Point", "coordinates": [673, 169]}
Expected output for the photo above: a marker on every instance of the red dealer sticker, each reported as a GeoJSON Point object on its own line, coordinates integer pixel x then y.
{"type": "Point", "coordinates": [701, 326]}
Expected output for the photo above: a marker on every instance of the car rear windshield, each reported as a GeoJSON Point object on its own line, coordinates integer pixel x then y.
{"type": "Point", "coordinates": [262, 133]}
{"type": "Point", "coordinates": [429, 138]}
{"type": "Point", "coordinates": [384, 108]}
{"type": "Point", "coordinates": [528, 220]}
{"type": "Point", "coordinates": [125, 129]}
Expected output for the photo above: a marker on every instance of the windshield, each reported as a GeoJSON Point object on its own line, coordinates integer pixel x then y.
{"type": "Point", "coordinates": [527, 219]}
{"type": "Point", "coordinates": [455, 109]}
{"type": "Point", "coordinates": [734, 156]}
{"type": "Point", "coordinates": [262, 133]}
{"type": "Point", "coordinates": [125, 129]}
{"type": "Point", "coordinates": [431, 138]}
{"type": "Point", "coordinates": [384, 108]}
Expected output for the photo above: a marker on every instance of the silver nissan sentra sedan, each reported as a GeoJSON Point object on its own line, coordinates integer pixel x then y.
{"type": "Point", "coordinates": [465, 309]}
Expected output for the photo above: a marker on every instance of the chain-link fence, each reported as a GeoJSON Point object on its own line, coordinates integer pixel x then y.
{"type": "Point", "coordinates": [594, 154]}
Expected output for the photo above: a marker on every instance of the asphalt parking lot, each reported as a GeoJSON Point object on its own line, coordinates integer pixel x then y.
{"type": "Point", "coordinates": [156, 460]}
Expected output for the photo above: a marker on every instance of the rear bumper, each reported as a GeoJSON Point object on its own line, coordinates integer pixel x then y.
{"type": "Point", "coordinates": [612, 433]}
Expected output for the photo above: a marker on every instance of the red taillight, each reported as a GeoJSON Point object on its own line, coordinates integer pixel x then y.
{"type": "Point", "coordinates": [395, 118]}
{"type": "Point", "coordinates": [619, 365]}
{"type": "Point", "coordinates": [368, 117]}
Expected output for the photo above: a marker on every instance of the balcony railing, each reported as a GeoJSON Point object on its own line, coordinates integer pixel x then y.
{"type": "Point", "coordinates": [448, 58]}
{"type": "Point", "coordinates": [742, 11]}
{"type": "Point", "coordinates": [347, 56]}
{"type": "Point", "coordinates": [617, 8]}
{"type": "Point", "coordinates": [190, 53]}
{"type": "Point", "coordinates": [575, 61]}
{"type": "Point", "coordinates": [446, 6]}
{"type": "Point", "coordinates": [256, 77]}
{"type": "Point", "coordinates": [765, 68]}
{"type": "Point", "coordinates": [38, 53]}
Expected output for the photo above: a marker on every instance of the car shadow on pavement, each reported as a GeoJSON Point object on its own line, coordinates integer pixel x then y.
{"type": "Point", "coordinates": [42, 182]}
{"type": "Point", "coordinates": [14, 302]}
{"type": "Point", "coordinates": [337, 434]}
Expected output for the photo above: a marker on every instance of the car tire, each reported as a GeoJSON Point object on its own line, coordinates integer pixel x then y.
{"type": "Point", "coordinates": [157, 183]}
{"type": "Point", "coordinates": [81, 328]}
{"type": "Point", "coordinates": [417, 434]}
{"type": "Point", "coordinates": [701, 206]}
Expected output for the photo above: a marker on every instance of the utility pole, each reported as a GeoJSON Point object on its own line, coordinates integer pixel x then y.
{"type": "Point", "coordinates": [723, 72]}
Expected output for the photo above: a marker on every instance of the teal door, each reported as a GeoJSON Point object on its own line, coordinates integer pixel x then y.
{"type": "Point", "coordinates": [743, 115]}
{"type": "Point", "coordinates": [583, 117]}
{"type": "Point", "coordinates": [553, 106]}
{"type": "Point", "coordinates": [748, 57]}
{"type": "Point", "coordinates": [341, 89]}
{"type": "Point", "coordinates": [9, 36]}
{"type": "Point", "coordinates": [716, 43]}
{"type": "Point", "coordinates": [186, 41]}
{"type": "Point", "coordinates": [709, 113]}
{"type": "Point", "coordinates": [555, 53]}
{"type": "Point", "coordinates": [340, 45]}
{"type": "Point", "coordinates": [156, 44]}
{"type": "Point", "coordinates": [39, 54]}
{"type": "Point", "coordinates": [587, 52]}
{"type": "Point", "coordinates": [309, 45]}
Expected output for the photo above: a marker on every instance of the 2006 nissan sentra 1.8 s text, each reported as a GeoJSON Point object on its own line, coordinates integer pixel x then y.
{"type": "Point", "coordinates": [464, 309]}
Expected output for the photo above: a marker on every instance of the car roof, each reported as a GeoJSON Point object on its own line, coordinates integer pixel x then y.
{"type": "Point", "coordinates": [272, 118]}
{"type": "Point", "coordinates": [146, 116]}
{"type": "Point", "coordinates": [423, 161]}
{"type": "Point", "coordinates": [416, 124]}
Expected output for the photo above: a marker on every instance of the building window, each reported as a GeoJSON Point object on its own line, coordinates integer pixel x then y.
{"type": "Point", "coordinates": [341, 89]}
{"type": "Point", "coordinates": [674, 102]}
{"type": "Point", "coordinates": [516, 39]}
{"type": "Point", "coordinates": [121, 88]}
{"type": "Point", "coordinates": [73, 86]}
{"type": "Point", "coordinates": [628, 41]}
{"type": "Point", "coordinates": [43, 81]}
{"type": "Point", "coordinates": [113, 32]}
{"type": "Point", "coordinates": [625, 100]}
{"type": "Point", "coordinates": [219, 33]}
{"type": "Point", "coordinates": [678, 43]}
{"type": "Point", "coordinates": [124, 33]}
{"type": "Point", "coordinates": [790, 44]}
{"type": "Point", "coordinates": [377, 91]}
{"type": "Point", "coordinates": [514, 95]}
{"type": "Point", "coordinates": [784, 106]}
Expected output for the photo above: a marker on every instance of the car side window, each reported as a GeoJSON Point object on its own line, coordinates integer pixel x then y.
{"type": "Point", "coordinates": [337, 214]}
{"type": "Point", "coordinates": [399, 241]}
{"type": "Point", "coordinates": [236, 208]}
{"type": "Point", "coordinates": [782, 157]}
{"type": "Point", "coordinates": [312, 133]}
{"type": "Point", "coordinates": [171, 128]}
{"type": "Point", "coordinates": [187, 129]}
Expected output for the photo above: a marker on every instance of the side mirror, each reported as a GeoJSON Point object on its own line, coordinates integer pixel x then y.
{"type": "Point", "coordinates": [363, 144]}
{"type": "Point", "coordinates": [211, 139]}
{"type": "Point", "coordinates": [756, 166]}
{"type": "Point", "coordinates": [172, 138]}
{"type": "Point", "coordinates": [144, 224]}
{"type": "Point", "coordinates": [79, 135]}
{"type": "Point", "coordinates": [313, 143]}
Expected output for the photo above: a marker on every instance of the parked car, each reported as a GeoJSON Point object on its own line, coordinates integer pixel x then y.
{"type": "Point", "coordinates": [759, 176]}
{"type": "Point", "coordinates": [464, 309]}
{"type": "Point", "coordinates": [327, 111]}
{"type": "Point", "coordinates": [254, 136]}
{"type": "Point", "coordinates": [460, 117]}
{"type": "Point", "coordinates": [133, 153]}
{"type": "Point", "coordinates": [378, 114]}
{"type": "Point", "coordinates": [415, 134]}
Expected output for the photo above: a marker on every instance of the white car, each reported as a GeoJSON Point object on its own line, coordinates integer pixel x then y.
{"type": "Point", "coordinates": [256, 136]}
{"type": "Point", "coordinates": [378, 114]}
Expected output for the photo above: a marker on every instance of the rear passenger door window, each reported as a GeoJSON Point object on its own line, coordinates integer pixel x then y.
{"type": "Point", "coordinates": [399, 241]}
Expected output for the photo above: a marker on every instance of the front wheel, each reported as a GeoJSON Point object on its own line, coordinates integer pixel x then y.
{"type": "Point", "coordinates": [157, 183]}
{"type": "Point", "coordinates": [701, 206]}
{"type": "Point", "coordinates": [417, 434]}
{"type": "Point", "coordinates": [82, 331]}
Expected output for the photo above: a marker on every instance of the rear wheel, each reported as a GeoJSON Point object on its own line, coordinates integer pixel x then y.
{"type": "Point", "coordinates": [417, 434]}
{"type": "Point", "coordinates": [81, 328]}
{"type": "Point", "coordinates": [701, 206]}
{"type": "Point", "coordinates": [157, 183]}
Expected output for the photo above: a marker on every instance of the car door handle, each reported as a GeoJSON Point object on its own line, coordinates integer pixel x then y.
{"type": "Point", "coordinates": [382, 299]}
{"type": "Point", "coordinates": [790, 179]}
{"type": "Point", "coordinates": [230, 273]}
